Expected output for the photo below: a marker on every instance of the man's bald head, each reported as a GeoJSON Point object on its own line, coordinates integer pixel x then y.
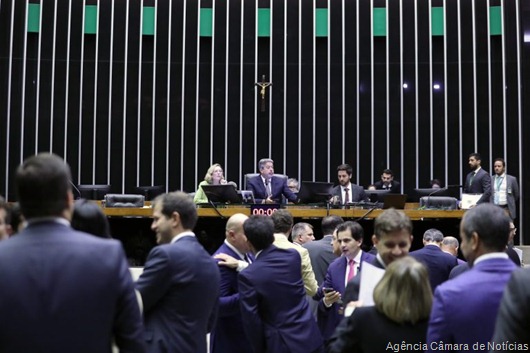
{"type": "Point", "coordinates": [235, 234]}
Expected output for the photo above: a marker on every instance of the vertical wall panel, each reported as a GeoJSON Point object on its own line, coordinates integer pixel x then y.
{"type": "Point", "coordinates": [146, 92]}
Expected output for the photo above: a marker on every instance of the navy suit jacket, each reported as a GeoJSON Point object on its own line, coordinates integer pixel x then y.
{"type": "Point", "coordinates": [329, 318]}
{"type": "Point", "coordinates": [465, 308]}
{"type": "Point", "coordinates": [274, 306]}
{"type": "Point", "coordinates": [481, 185]}
{"type": "Point", "coordinates": [438, 263]}
{"type": "Point", "coordinates": [180, 293]}
{"type": "Point", "coordinates": [228, 334]}
{"type": "Point", "coordinates": [395, 187]}
{"type": "Point", "coordinates": [66, 291]}
{"type": "Point", "coordinates": [356, 193]}
{"type": "Point", "coordinates": [278, 188]}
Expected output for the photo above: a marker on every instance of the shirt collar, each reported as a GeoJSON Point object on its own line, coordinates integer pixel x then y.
{"type": "Point", "coordinates": [491, 255]}
{"type": "Point", "coordinates": [241, 255]}
{"type": "Point", "coordinates": [182, 235]}
{"type": "Point", "coordinates": [59, 220]}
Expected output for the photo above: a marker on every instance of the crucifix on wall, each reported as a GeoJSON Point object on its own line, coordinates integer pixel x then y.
{"type": "Point", "coordinates": [263, 85]}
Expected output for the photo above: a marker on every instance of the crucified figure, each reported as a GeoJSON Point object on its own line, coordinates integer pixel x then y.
{"type": "Point", "coordinates": [263, 85]}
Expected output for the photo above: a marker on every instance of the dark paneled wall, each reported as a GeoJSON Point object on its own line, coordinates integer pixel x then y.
{"type": "Point", "coordinates": [134, 99]}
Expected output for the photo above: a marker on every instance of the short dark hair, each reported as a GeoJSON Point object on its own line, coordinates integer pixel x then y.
{"type": "Point", "coordinates": [391, 220]}
{"type": "Point", "coordinates": [491, 224]}
{"type": "Point", "coordinates": [388, 171]}
{"type": "Point", "coordinates": [42, 184]}
{"type": "Point", "coordinates": [16, 217]}
{"type": "Point", "coordinates": [330, 223]}
{"type": "Point", "coordinates": [500, 160]}
{"type": "Point", "coordinates": [89, 218]}
{"type": "Point", "coordinates": [433, 234]}
{"type": "Point", "coordinates": [356, 230]}
{"type": "Point", "coordinates": [181, 203]}
{"type": "Point", "coordinates": [475, 155]}
{"type": "Point", "coordinates": [283, 221]}
{"type": "Point", "coordinates": [346, 167]}
{"type": "Point", "coordinates": [259, 231]}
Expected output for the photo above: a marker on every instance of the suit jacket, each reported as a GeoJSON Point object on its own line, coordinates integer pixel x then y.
{"type": "Point", "coordinates": [66, 291]}
{"type": "Point", "coordinates": [310, 283]}
{"type": "Point", "coordinates": [481, 185]}
{"type": "Point", "coordinates": [513, 322]}
{"type": "Point", "coordinates": [367, 330]}
{"type": "Point", "coordinates": [321, 255]}
{"type": "Point", "coordinates": [351, 293]}
{"type": "Point", "coordinates": [228, 334]}
{"type": "Point", "coordinates": [329, 318]}
{"type": "Point", "coordinates": [395, 187]}
{"type": "Point", "coordinates": [464, 309]}
{"type": "Point", "coordinates": [512, 193]}
{"type": "Point", "coordinates": [438, 263]}
{"type": "Point", "coordinates": [278, 188]}
{"type": "Point", "coordinates": [356, 193]}
{"type": "Point", "coordinates": [180, 293]}
{"type": "Point", "coordinates": [273, 304]}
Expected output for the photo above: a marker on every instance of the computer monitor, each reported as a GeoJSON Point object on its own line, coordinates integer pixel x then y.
{"type": "Point", "coordinates": [93, 192]}
{"type": "Point", "coordinates": [222, 193]}
{"type": "Point", "coordinates": [150, 192]}
{"type": "Point", "coordinates": [315, 192]}
{"type": "Point", "coordinates": [396, 201]}
{"type": "Point", "coordinates": [420, 192]}
{"type": "Point", "coordinates": [376, 195]}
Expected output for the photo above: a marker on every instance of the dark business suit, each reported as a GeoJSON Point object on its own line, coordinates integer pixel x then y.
{"type": "Point", "coordinates": [438, 263]}
{"type": "Point", "coordinates": [465, 308]}
{"type": "Point", "coordinates": [351, 293]}
{"type": "Point", "coordinates": [228, 334]}
{"type": "Point", "coordinates": [278, 188]}
{"type": "Point", "coordinates": [395, 186]}
{"type": "Point", "coordinates": [329, 318]}
{"type": "Point", "coordinates": [481, 185]}
{"type": "Point", "coordinates": [274, 307]}
{"type": "Point", "coordinates": [369, 331]}
{"type": "Point", "coordinates": [512, 193]}
{"type": "Point", "coordinates": [321, 255]}
{"type": "Point", "coordinates": [66, 291]}
{"type": "Point", "coordinates": [513, 319]}
{"type": "Point", "coordinates": [180, 292]}
{"type": "Point", "coordinates": [356, 193]}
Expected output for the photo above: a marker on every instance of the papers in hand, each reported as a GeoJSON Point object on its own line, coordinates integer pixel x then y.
{"type": "Point", "coordinates": [370, 276]}
{"type": "Point", "coordinates": [470, 200]}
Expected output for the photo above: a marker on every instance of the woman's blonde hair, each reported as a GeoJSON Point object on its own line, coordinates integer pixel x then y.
{"type": "Point", "coordinates": [404, 293]}
{"type": "Point", "coordinates": [208, 176]}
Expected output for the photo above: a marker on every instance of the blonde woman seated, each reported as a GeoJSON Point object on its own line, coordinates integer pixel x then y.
{"type": "Point", "coordinates": [214, 176]}
{"type": "Point", "coordinates": [403, 300]}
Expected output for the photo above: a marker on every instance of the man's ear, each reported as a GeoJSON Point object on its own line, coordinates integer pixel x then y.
{"type": "Point", "coordinates": [475, 241]}
{"type": "Point", "coordinates": [175, 219]}
{"type": "Point", "coordinates": [374, 240]}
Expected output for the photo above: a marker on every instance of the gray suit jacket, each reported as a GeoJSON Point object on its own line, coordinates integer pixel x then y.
{"type": "Point", "coordinates": [321, 255]}
{"type": "Point", "coordinates": [512, 193]}
{"type": "Point", "coordinates": [356, 193]}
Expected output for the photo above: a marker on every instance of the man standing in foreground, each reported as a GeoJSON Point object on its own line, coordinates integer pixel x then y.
{"type": "Point", "coordinates": [180, 282]}
{"type": "Point", "coordinates": [273, 304]}
{"type": "Point", "coordinates": [465, 308]}
{"type": "Point", "coordinates": [63, 290]}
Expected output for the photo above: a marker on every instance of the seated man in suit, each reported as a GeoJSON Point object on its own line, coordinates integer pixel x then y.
{"type": "Point", "coordinates": [392, 238]}
{"type": "Point", "coordinates": [465, 308]}
{"type": "Point", "coordinates": [478, 181]}
{"type": "Point", "coordinates": [228, 334]}
{"type": "Point", "coordinates": [62, 290]}
{"type": "Point", "coordinates": [268, 188]}
{"type": "Point", "coordinates": [180, 282]}
{"type": "Point", "coordinates": [330, 311]}
{"type": "Point", "coordinates": [273, 302]}
{"type": "Point", "coordinates": [346, 192]}
{"type": "Point", "coordinates": [387, 182]}
{"type": "Point", "coordinates": [438, 263]}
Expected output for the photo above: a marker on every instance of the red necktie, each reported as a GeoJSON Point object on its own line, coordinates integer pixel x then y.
{"type": "Point", "coordinates": [351, 273]}
{"type": "Point", "coordinates": [346, 195]}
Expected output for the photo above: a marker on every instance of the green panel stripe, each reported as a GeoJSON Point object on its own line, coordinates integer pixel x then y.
{"type": "Point", "coordinates": [33, 17]}
{"type": "Point", "coordinates": [91, 19]}
{"type": "Point", "coordinates": [437, 21]}
{"type": "Point", "coordinates": [206, 22]}
{"type": "Point", "coordinates": [148, 25]}
{"type": "Point", "coordinates": [379, 22]}
{"type": "Point", "coordinates": [264, 22]}
{"type": "Point", "coordinates": [321, 22]}
{"type": "Point", "coordinates": [495, 21]}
